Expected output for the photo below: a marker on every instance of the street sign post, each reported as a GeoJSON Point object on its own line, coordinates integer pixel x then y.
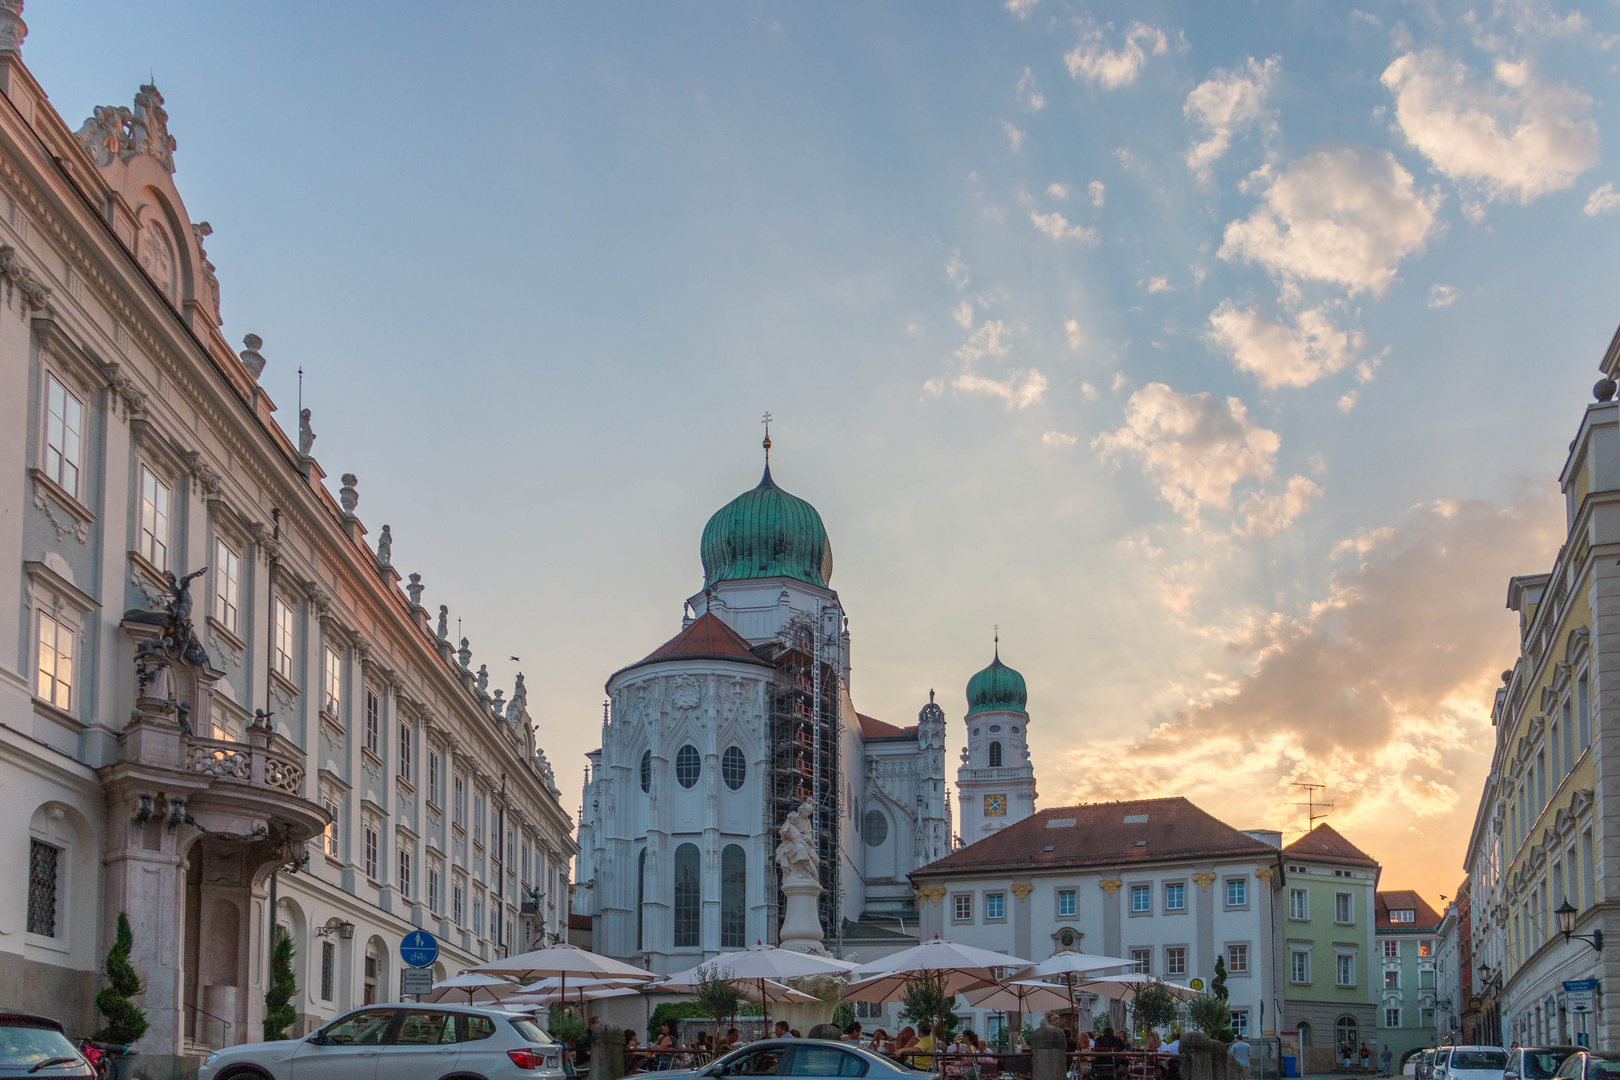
{"type": "Point", "coordinates": [418, 949]}
{"type": "Point", "coordinates": [1580, 995]}
{"type": "Point", "coordinates": [418, 981]}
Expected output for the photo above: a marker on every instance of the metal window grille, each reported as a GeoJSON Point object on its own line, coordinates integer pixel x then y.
{"type": "Point", "coordinates": [42, 879]}
{"type": "Point", "coordinates": [328, 969]}
{"type": "Point", "coordinates": [688, 766]}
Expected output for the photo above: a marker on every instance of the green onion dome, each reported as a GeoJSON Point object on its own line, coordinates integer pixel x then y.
{"type": "Point", "coordinates": [996, 688]}
{"type": "Point", "coordinates": [766, 533]}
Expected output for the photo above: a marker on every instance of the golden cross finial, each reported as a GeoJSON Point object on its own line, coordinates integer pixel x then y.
{"type": "Point", "coordinates": [767, 443]}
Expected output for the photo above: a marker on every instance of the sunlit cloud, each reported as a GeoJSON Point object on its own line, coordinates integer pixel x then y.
{"type": "Point", "coordinates": [1603, 200]}
{"type": "Point", "coordinates": [1057, 440]}
{"type": "Point", "coordinates": [1032, 98]}
{"type": "Point", "coordinates": [1057, 227]}
{"type": "Point", "coordinates": [1094, 61]}
{"type": "Point", "coordinates": [1225, 105]}
{"type": "Point", "coordinates": [1299, 352]}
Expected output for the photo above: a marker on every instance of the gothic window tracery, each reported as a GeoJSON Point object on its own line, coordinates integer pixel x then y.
{"type": "Point", "coordinates": [688, 765]}
{"type": "Point", "coordinates": [734, 767]}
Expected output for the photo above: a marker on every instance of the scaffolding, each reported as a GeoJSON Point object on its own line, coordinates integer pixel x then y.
{"type": "Point", "coordinates": [804, 750]}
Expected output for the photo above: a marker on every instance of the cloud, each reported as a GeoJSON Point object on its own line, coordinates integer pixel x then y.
{"type": "Point", "coordinates": [1015, 135]}
{"type": "Point", "coordinates": [1057, 227]}
{"type": "Point", "coordinates": [1347, 401]}
{"type": "Point", "coordinates": [1072, 328]}
{"type": "Point", "coordinates": [1021, 8]}
{"type": "Point", "coordinates": [1098, 192]}
{"type": "Point", "coordinates": [1095, 62]}
{"type": "Point", "coordinates": [1158, 283]}
{"type": "Point", "coordinates": [1602, 201]}
{"type": "Point", "coordinates": [956, 270]}
{"type": "Point", "coordinates": [1225, 104]}
{"type": "Point", "coordinates": [1269, 514]}
{"type": "Point", "coordinates": [1278, 354]}
{"type": "Point", "coordinates": [963, 314]}
{"type": "Point", "coordinates": [992, 339]}
{"type": "Point", "coordinates": [1020, 389]}
{"type": "Point", "coordinates": [1032, 98]}
{"type": "Point", "coordinates": [1194, 446]}
{"type": "Point", "coordinates": [1516, 139]}
{"type": "Point", "coordinates": [1381, 690]}
{"type": "Point", "coordinates": [1088, 391]}
{"type": "Point", "coordinates": [1441, 296]}
{"type": "Point", "coordinates": [1057, 440]}
{"type": "Point", "coordinates": [1347, 215]}
{"type": "Point", "coordinates": [1057, 191]}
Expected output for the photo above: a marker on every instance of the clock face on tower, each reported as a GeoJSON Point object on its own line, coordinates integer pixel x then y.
{"type": "Point", "coordinates": [995, 805]}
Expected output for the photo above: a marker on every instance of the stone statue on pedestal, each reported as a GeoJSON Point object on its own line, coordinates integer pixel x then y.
{"type": "Point", "coordinates": [800, 865]}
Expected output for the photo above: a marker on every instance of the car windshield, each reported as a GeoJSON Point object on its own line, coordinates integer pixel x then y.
{"type": "Point", "coordinates": [26, 1047]}
{"type": "Point", "coordinates": [1542, 1064]}
{"type": "Point", "coordinates": [1602, 1068]}
{"type": "Point", "coordinates": [531, 1031]}
{"type": "Point", "coordinates": [1477, 1059]}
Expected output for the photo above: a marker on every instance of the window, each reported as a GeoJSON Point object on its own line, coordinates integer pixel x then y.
{"type": "Point", "coordinates": [64, 423]}
{"type": "Point", "coordinates": [962, 907]}
{"type": "Point", "coordinates": [478, 819]}
{"type": "Point", "coordinates": [874, 828]}
{"type": "Point", "coordinates": [1344, 969]}
{"type": "Point", "coordinates": [1066, 906]}
{"type": "Point", "coordinates": [733, 897]}
{"type": "Point", "coordinates": [995, 755]}
{"type": "Point", "coordinates": [459, 811]}
{"type": "Point", "coordinates": [1299, 967]}
{"type": "Point", "coordinates": [1568, 728]}
{"type": "Point", "coordinates": [995, 905]}
{"type": "Point", "coordinates": [1583, 711]}
{"type": "Point", "coordinates": [1175, 960]}
{"type": "Point", "coordinates": [494, 919]}
{"type": "Point", "coordinates": [688, 897]}
{"type": "Point", "coordinates": [1552, 747]}
{"type": "Point", "coordinates": [1141, 899]}
{"type": "Point", "coordinates": [458, 904]}
{"type": "Point", "coordinates": [1426, 947]}
{"type": "Point", "coordinates": [328, 969]}
{"type": "Point", "coordinates": [1392, 1017]}
{"type": "Point", "coordinates": [1142, 961]}
{"type": "Point", "coordinates": [42, 887]}
{"type": "Point", "coordinates": [1299, 904]}
{"type": "Point", "coordinates": [1240, 1022]}
{"type": "Point", "coordinates": [433, 777]}
{"type": "Point", "coordinates": [332, 828]}
{"type": "Point", "coordinates": [371, 853]}
{"type": "Point", "coordinates": [1541, 780]}
{"type": "Point", "coordinates": [1237, 959]}
{"type": "Point", "coordinates": [152, 539]}
{"type": "Point", "coordinates": [227, 585]}
{"type": "Point", "coordinates": [332, 679]}
{"type": "Point", "coordinates": [526, 878]}
{"type": "Point", "coordinates": [1344, 910]}
{"type": "Point", "coordinates": [646, 770]}
{"type": "Point", "coordinates": [477, 925]}
{"type": "Point", "coordinates": [641, 896]}
{"type": "Point", "coordinates": [373, 721]}
{"type": "Point", "coordinates": [1175, 897]}
{"type": "Point", "coordinates": [688, 765]}
{"type": "Point", "coordinates": [1588, 890]}
{"type": "Point", "coordinates": [1237, 892]}
{"type": "Point", "coordinates": [733, 767]}
{"type": "Point", "coordinates": [1392, 980]}
{"type": "Point", "coordinates": [435, 884]}
{"type": "Point", "coordinates": [1403, 915]}
{"type": "Point", "coordinates": [1426, 980]}
{"type": "Point", "coordinates": [55, 683]}
{"type": "Point", "coordinates": [405, 750]}
{"type": "Point", "coordinates": [281, 638]}
{"type": "Point", "coordinates": [405, 873]}
{"type": "Point", "coordinates": [1392, 950]}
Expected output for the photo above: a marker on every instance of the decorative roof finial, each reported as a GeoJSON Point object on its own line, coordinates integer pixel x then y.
{"type": "Point", "coordinates": [767, 443]}
{"type": "Point", "coordinates": [998, 641]}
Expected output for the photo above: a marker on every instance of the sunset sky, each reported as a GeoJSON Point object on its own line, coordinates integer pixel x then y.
{"type": "Point", "coordinates": [1224, 355]}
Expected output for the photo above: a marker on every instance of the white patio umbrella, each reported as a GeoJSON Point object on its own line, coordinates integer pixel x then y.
{"type": "Point", "coordinates": [580, 996]}
{"type": "Point", "coordinates": [1019, 997]}
{"type": "Point", "coordinates": [562, 961]}
{"type": "Point", "coordinates": [1126, 987]}
{"type": "Point", "coordinates": [758, 991]}
{"type": "Point", "coordinates": [760, 962]}
{"type": "Point", "coordinates": [1069, 966]}
{"type": "Point", "coordinates": [469, 988]}
{"type": "Point", "coordinates": [961, 966]}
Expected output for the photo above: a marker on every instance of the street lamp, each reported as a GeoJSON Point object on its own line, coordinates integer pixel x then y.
{"type": "Point", "coordinates": [344, 930]}
{"type": "Point", "coordinates": [1566, 923]}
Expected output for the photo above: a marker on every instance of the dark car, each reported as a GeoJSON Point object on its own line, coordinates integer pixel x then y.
{"type": "Point", "coordinates": [1591, 1065]}
{"type": "Point", "coordinates": [1424, 1059]}
{"type": "Point", "coordinates": [797, 1057]}
{"type": "Point", "coordinates": [37, 1046]}
{"type": "Point", "coordinates": [1536, 1062]}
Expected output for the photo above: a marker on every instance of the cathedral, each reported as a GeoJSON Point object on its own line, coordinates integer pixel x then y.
{"type": "Point", "coordinates": [712, 739]}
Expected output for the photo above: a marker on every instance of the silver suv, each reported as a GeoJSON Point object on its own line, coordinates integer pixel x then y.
{"type": "Point", "coordinates": [400, 1042]}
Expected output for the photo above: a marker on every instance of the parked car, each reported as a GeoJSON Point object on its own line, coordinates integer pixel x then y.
{"type": "Point", "coordinates": [1468, 1063]}
{"type": "Point", "coordinates": [797, 1057]}
{"type": "Point", "coordinates": [400, 1042]}
{"type": "Point", "coordinates": [1536, 1062]}
{"type": "Point", "coordinates": [37, 1047]}
{"type": "Point", "coordinates": [1591, 1065]}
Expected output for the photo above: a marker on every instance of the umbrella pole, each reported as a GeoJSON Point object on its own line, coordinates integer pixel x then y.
{"type": "Point", "coordinates": [765, 1007]}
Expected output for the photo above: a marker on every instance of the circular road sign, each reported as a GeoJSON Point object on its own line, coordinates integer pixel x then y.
{"type": "Point", "coordinates": [418, 948]}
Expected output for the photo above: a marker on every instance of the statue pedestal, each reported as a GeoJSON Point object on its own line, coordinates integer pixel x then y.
{"type": "Point", "coordinates": [801, 925]}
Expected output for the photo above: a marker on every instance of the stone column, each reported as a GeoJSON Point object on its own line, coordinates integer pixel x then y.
{"type": "Point", "coordinates": [801, 925]}
{"type": "Point", "coordinates": [607, 1052]}
{"type": "Point", "coordinates": [110, 701]}
{"type": "Point", "coordinates": [1048, 1049]}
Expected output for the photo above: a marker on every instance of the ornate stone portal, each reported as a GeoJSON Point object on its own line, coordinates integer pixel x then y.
{"type": "Point", "coordinates": [801, 881]}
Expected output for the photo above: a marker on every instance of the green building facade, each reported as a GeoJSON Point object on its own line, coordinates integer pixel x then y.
{"type": "Point", "coordinates": [1408, 934]}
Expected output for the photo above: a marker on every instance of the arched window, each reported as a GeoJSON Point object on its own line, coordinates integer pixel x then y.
{"type": "Point", "coordinates": [641, 895]}
{"type": "Point", "coordinates": [733, 897]}
{"type": "Point", "coordinates": [995, 755]}
{"type": "Point", "coordinates": [875, 828]}
{"type": "Point", "coordinates": [646, 770]}
{"type": "Point", "coordinates": [687, 765]}
{"type": "Point", "coordinates": [733, 767]}
{"type": "Point", "coordinates": [1304, 1033]}
{"type": "Point", "coordinates": [688, 897]}
{"type": "Point", "coordinates": [1346, 1033]}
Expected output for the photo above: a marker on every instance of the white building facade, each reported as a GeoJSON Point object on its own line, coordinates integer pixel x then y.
{"type": "Point", "coordinates": [312, 738]}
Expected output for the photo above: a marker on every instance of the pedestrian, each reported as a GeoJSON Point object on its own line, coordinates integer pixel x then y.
{"type": "Point", "coordinates": [853, 1034]}
{"type": "Point", "coordinates": [781, 1029]}
{"type": "Point", "coordinates": [1240, 1053]}
{"type": "Point", "coordinates": [1386, 1057]}
{"type": "Point", "coordinates": [1366, 1058]}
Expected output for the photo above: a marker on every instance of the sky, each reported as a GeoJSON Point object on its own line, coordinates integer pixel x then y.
{"type": "Point", "coordinates": [1224, 356]}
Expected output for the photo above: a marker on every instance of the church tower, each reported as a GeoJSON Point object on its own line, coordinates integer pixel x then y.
{"type": "Point", "coordinates": [996, 781]}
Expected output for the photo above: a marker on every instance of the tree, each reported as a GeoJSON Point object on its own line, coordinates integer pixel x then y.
{"type": "Point", "coordinates": [1155, 1007]}
{"type": "Point", "coordinates": [126, 1021]}
{"type": "Point", "coordinates": [927, 1001]}
{"type": "Point", "coordinates": [279, 1010]}
{"type": "Point", "coordinates": [1209, 1014]}
{"type": "Point", "coordinates": [566, 1028]}
{"type": "Point", "coordinates": [717, 995]}
{"type": "Point", "coordinates": [1218, 987]}
{"type": "Point", "coordinates": [844, 1016]}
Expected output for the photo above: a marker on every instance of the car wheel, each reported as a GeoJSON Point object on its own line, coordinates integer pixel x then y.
{"type": "Point", "coordinates": [245, 1072]}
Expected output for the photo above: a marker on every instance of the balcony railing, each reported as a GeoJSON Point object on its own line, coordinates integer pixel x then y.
{"type": "Point", "coordinates": [245, 763]}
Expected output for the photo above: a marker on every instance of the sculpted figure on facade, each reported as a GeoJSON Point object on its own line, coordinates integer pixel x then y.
{"type": "Point", "coordinates": [306, 434]}
{"type": "Point", "coordinates": [796, 854]}
{"type": "Point", "coordinates": [385, 547]}
{"type": "Point", "coordinates": [149, 127]}
{"type": "Point", "coordinates": [444, 622]}
{"type": "Point", "coordinates": [415, 590]}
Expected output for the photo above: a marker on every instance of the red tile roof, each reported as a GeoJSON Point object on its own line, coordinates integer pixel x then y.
{"type": "Point", "coordinates": [707, 638]}
{"type": "Point", "coordinates": [1405, 900]}
{"type": "Point", "coordinates": [1102, 834]}
{"type": "Point", "coordinates": [873, 728]}
{"type": "Point", "coordinates": [1326, 844]}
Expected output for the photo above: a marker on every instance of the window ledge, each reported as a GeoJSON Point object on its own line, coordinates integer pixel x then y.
{"type": "Point", "coordinates": [43, 484]}
{"type": "Point", "coordinates": [371, 756]}
{"type": "Point", "coordinates": [337, 725]}
{"type": "Point", "coordinates": [227, 633]}
{"type": "Point", "coordinates": [148, 569]}
{"type": "Point", "coordinates": [56, 712]}
{"type": "Point", "coordinates": [409, 787]}
{"type": "Point", "coordinates": [285, 683]}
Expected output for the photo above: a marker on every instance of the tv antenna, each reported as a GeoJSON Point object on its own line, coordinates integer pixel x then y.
{"type": "Point", "coordinates": [1314, 811]}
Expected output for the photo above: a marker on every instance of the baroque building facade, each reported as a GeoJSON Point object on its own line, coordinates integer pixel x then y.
{"type": "Point", "coordinates": [713, 738]}
{"type": "Point", "coordinates": [218, 708]}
